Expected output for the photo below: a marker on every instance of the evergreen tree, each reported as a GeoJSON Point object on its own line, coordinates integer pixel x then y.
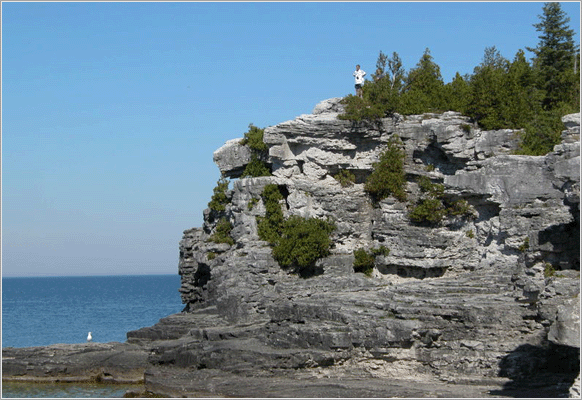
{"type": "Point", "coordinates": [396, 72]}
{"type": "Point", "coordinates": [458, 93]}
{"type": "Point", "coordinates": [424, 87]}
{"type": "Point", "coordinates": [555, 59]}
{"type": "Point", "coordinates": [487, 90]}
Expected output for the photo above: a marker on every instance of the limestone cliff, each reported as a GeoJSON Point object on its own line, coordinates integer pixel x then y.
{"type": "Point", "coordinates": [491, 294]}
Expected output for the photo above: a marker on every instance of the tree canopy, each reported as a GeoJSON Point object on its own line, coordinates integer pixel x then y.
{"type": "Point", "coordinates": [518, 94]}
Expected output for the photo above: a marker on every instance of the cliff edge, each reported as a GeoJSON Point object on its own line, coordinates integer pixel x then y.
{"type": "Point", "coordinates": [483, 302]}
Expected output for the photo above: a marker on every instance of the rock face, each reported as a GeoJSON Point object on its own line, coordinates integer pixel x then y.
{"type": "Point", "coordinates": [478, 297]}
{"type": "Point", "coordinates": [480, 304]}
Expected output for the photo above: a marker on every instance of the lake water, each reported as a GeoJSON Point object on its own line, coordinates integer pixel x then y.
{"type": "Point", "coordinates": [49, 310]}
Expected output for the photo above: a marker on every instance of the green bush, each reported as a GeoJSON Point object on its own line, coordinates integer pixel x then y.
{"type": "Point", "coordinates": [345, 178]}
{"type": "Point", "coordinates": [358, 109]}
{"type": "Point", "coordinates": [303, 241]}
{"type": "Point", "coordinates": [388, 177]}
{"type": "Point", "coordinates": [297, 242]}
{"type": "Point", "coordinates": [431, 208]}
{"type": "Point", "coordinates": [222, 232]}
{"type": "Point", "coordinates": [363, 262]}
{"type": "Point", "coordinates": [428, 210]}
{"type": "Point", "coordinates": [256, 168]}
{"type": "Point", "coordinates": [254, 139]}
{"type": "Point", "coordinates": [220, 199]}
{"type": "Point", "coordinates": [270, 226]}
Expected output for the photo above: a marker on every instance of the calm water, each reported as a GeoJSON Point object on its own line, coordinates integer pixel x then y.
{"type": "Point", "coordinates": [44, 311]}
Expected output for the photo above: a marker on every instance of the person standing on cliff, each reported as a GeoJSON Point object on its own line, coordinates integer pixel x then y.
{"type": "Point", "coordinates": [359, 74]}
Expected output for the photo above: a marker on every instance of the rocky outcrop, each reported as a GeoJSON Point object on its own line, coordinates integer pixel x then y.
{"type": "Point", "coordinates": [91, 362]}
{"type": "Point", "coordinates": [453, 302]}
{"type": "Point", "coordinates": [477, 305]}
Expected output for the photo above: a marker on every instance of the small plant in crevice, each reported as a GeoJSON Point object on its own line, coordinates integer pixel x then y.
{"type": "Point", "coordinates": [549, 270]}
{"type": "Point", "coordinates": [222, 232]}
{"type": "Point", "coordinates": [345, 178]}
{"type": "Point", "coordinates": [525, 245]}
{"type": "Point", "coordinates": [364, 261]}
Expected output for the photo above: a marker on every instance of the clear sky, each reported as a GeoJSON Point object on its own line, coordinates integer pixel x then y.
{"type": "Point", "coordinates": [111, 111]}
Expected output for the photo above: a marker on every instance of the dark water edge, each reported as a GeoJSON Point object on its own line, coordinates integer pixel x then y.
{"type": "Point", "coordinates": [66, 390]}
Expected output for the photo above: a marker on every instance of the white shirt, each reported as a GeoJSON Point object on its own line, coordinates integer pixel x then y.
{"type": "Point", "coordinates": [359, 74]}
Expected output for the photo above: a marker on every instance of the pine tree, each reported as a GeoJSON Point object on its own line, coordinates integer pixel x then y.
{"type": "Point", "coordinates": [555, 59]}
{"type": "Point", "coordinates": [487, 90]}
{"type": "Point", "coordinates": [424, 88]}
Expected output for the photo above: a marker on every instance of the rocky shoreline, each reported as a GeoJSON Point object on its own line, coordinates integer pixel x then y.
{"type": "Point", "coordinates": [484, 304]}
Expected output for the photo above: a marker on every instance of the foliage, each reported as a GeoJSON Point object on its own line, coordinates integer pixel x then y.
{"type": "Point", "coordinates": [358, 109]}
{"type": "Point", "coordinates": [364, 262]}
{"type": "Point", "coordinates": [297, 242]}
{"type": "Point", "coordinates": [428, 210]}
{"type": "Point", "coordinates": [555, 59]}
{"type": "Point", "coordinates": [525, 245]}
{"type": "Point", "coordinates": [345, 178]}
{"type": "Point", "coordinates": [222, 232]}
{"type": "Point", "coordinates": [270, 226]}
{"type": "Point", "coordinates": [254, 139]}
{"type": "Point", "coordinates": [255, 168]}
{"type": "Point", "coordinates": [432, 208]}
{"type": "Point", "coordinates": [424, 88]}
{"type": "Point", "coordinates": [549, 270]}
{"type": "Point", "coordinates": [303, 241]}
{"type": "Point", "coordinates": [500, 94]}
{"type": "Point", "coordinates": [388, 177]}
{"type": "Point", "coordinates": [252, 203]}
{"type": "Point", "coordinates": [220, 199]}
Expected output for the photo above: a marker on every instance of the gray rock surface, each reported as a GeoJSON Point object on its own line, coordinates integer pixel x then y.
{"type": "Point", "coordinates": [469, 298]}
{"type": "Point", "coordinates": [478, 305]}
{"type": "Point", "coordinates": [91, 362]}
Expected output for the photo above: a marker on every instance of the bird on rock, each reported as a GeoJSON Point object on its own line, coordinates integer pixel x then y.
{"type": "Point", "coordinates": [89, 337]}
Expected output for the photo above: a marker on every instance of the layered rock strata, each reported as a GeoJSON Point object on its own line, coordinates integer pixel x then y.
{"type": "Point", "coordinates": [481, 304]}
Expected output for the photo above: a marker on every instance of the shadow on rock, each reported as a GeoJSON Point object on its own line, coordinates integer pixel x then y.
{"type": "Point", "coordinates": [539, 371]}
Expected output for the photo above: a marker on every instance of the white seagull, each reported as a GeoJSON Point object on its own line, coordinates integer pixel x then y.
{"type": "Point", "coordinates": [89, 337]}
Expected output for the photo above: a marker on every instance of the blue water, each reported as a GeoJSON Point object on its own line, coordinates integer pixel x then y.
{"type": "Point", "coordinates": [49, 310]}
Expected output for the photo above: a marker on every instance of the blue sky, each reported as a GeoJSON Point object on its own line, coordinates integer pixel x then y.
{"type": "Point", "coordinates": [111, 111]}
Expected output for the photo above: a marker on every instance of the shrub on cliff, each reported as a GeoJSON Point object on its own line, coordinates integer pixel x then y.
{"type": "Point", "coordinates": [303, 241]}
{"type": "Point", "coordinates": [297, 242]}
{"type": "Point", "coordinates": [431, 208]}
{"type": "Point", "coordinates": [220, 199]}
{"type": "Point", "coordinates": [222, 232]}
{"type": "Point", "coordinates": [270, 226]}
{"type": "Point", "coordinates": [254, 140]}
{"type": "Point", "coordinates": [256, 168]}
{"type": "Point", "coordinates": [388, 177]}
{"type": "Point", "coordinates": [364, 261]}
{"type": "Point", "coordinates": [345, 178]}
